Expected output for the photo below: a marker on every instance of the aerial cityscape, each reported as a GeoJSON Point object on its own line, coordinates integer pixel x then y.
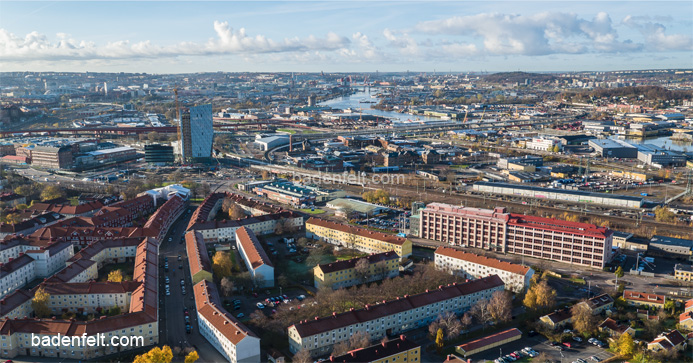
{"type": "Point", "coordinates": [388, 182]}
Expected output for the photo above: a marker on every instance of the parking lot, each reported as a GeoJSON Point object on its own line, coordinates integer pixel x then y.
{"type": "Point", "coordinates": [540, 344]}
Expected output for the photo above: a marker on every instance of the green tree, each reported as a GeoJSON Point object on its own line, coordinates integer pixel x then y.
{"type": "Point", "coordinates": [439, 340]}
{"type": "Point", "coordinates": [619, 273]}
{"type": "Point", "coordinates": [115, 310]}
{"type": "Point", "coordinates": [670, 305]}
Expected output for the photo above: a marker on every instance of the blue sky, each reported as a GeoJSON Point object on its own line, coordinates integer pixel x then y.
{"type": "Point", "coordinates": [182, 36]}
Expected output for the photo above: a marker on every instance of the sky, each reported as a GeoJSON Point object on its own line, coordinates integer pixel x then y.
{"type": "Point", "coordinates": [344, 36]}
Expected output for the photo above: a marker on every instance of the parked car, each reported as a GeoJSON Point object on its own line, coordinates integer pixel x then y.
{"type": "Point", "coordinates": [260, 306]}
{"type": "Point", "coordinates": [577, 339]}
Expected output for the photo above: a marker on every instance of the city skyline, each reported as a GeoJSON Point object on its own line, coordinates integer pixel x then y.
{"type": "Point", "coordinates": [182, 37]}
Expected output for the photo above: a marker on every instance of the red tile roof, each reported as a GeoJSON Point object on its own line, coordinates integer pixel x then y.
{"type": "Point", "coordinates": [482, 260]}
{"type": "Point", "coordinates": [356, 230]}
{"type": "Point", "coordinates": [320, 325]}
{"type": "Point", "coordinates": [491, 339]}
{"type": "Point", "coordinates": [644, 297]}
{"type": "Point", "coordinates": [251, 246]}
{"type": "Point", "coordinates": [197, 253]}
{"type": "Point", "coordinates": [376, 352]}
{"type": "Point", "coordinates": [208, 306]}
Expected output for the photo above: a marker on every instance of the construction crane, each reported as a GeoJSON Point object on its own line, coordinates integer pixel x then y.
{"type": "Point", "coordinates": [482, 115]}
{"type": "Point", "coordinates": [466, 111]}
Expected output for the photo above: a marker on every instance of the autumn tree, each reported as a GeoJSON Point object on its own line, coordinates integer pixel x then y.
{"type": "Point", "coordinates": [192, 357]}
{"type": "Point", "coordinates": [226, 286]}
{"type": "Point", "coordinates": [540, 297]}
{"type": "Point", "coordinates": [279, 228]}
{"type": "Point", "coordinates": [40, 303]}
{"type": "Point", "coordinates": [236, 212]}
{"type": "Point", "coordinates": [481, 313]}
{"type": "Point", "coordinates": [115, 276]}
{"type": "Point", "coordinates": [500, 306]}
{"type": "Point", "coordinates": [302, 356]}
{"type": "Point", "coordinates": [221, 264]}
{"type": "Point", "coordinates": [356, 341]}
{"type": "Point", "coordinates": [52, 192]}
{"type": "Point", "coordinates": [439, 340]}
{"type": "Point", "coordinates": [362, 269]}
{"type": "Point", "coordinates": [583, 319]}
{"type": "Point", "coordinates": [625, 345]}
{"type": "Point", "coordinates": [466, 321]}
{"type": "Point", "coordinates": [156, 355]}
{"type": "Point", "coordinates": [670, 305]}
{"type": "Point", "coordinates": [618, 273]}
{"type": "Point", "coordinates": [664, 214]}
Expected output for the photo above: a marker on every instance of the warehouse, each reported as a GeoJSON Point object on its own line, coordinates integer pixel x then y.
{"type": "Point", "coordinates": [574, 196]}
{"type": "Point", "coordinates": [614, 148]}
{"type": "Point", "coordinates": [488, 342]}
{"type": "Point", "coordinates": [660, 157]}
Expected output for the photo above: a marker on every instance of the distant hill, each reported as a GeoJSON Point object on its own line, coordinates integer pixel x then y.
{"type": "Point", "coordinates": [518, 77]}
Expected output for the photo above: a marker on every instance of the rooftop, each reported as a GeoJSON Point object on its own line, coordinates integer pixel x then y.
{"type": "Point", "coordinates": [489, 340]}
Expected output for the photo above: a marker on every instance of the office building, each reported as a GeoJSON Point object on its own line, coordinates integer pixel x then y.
{"type": "Point", "coordinates": [357, 238]}
{"type": "Point", "coordinates": [197, 133]}
{"type": "Point", "coordinates": [468, 265]}
{"type": "Point", "coordinates": [344, 273]}
{"type": "Point", "coordinates": [496, 230]}
{"type": "Point", "coordinates": [319, 335]}
{"type": "Point", "coordinates": [158, 154]}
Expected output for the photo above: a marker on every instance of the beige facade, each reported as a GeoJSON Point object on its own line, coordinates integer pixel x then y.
{"type": "Point", "coordinates": [357, 238]}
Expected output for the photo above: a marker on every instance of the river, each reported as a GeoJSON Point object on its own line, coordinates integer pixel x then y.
{"type": "Point", "coordinates": [661, 141]}
{"type": "Point", "coordinates": [352, 102]}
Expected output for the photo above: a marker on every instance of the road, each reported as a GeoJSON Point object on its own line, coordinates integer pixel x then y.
{"type": "Point", "coordinates": [172, 322]}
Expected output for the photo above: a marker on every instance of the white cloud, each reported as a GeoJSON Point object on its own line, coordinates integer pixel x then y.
{"type": "Point", "coordinates": [406, 44]}
{"type": "Point", "coordinates": [537, 34]}
{"type": "Point", "coordinates": [655, 36]}
{"type": "Point", "coordinates": [35, 46]}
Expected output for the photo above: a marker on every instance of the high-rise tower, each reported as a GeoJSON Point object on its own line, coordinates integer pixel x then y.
{"type": "Point", "coordinates": [197, 133]}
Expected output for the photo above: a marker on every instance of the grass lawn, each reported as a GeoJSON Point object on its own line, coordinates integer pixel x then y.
{"type": "Point", "coordinates": [287, 131]}
{"type": "Point", "coordinates": [316, 211]}
{"type": "Point", "coordinates": [305, 132]}
{"type": "Point", "coordinates": [296, 269]}
{"type": "Point", "coordinates": [577, 280]}
{"type": "Point", "coordinates": [349, 256]}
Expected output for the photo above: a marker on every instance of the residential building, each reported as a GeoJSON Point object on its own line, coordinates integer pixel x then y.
{"type": "Point", "coordinates": [686, 318]}
{"type": "Point", "coordinates": [399, 350]}
{"type": "Point", "coordinates": [11, 199]}
{"type": "Point", "coordinates": [557, 319]}
{"type": "Point", "coordinates": [224, 332]}
{"type": "Point", "coordinates": [643, 298]}
{"type": "Point", "coordinates": [16, 273]}
{"type": "Point", "coordinates": [198, 259]}
{"type": "Point", "coordinates": [599, 303]}
{"type": "Point", "coordinates": [197, 133]}
{"type": "Point", "coordinates": [496, 230]}
{"type": "Point", "coordinates": [345, 273]}
{"type": "Point", "coordinates": [357, 238]}
{"type": "Point", "coordinates": [683, 272]}
{"type": "Point", "coordinates": [225, 231]}
{"type": "Point", "coordinates": [488, 342]}
{"type": "Point", "coordinates": [29, 225]}
{"type": "Point", "coordinates": [672, 340]}
{"type": "Point", "coordinates": [319, 336]}
{"type": "Point", "coordinates": [614, 329]}
{"type": "Point", "coordinates": [256, 260]}
{"type": "Point", "coordinates": [468, 265]}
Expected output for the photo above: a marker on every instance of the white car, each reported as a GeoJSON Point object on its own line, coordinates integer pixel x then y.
{"type": "Point", "coordinates": [577, 339]}
{"type": "Point", "coordinates": [260, 306]}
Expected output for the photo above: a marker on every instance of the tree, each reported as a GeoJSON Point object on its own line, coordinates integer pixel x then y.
{"type": "Point", "coordinates": [362, 269]}
{"type": "Point", "coordinates": [542, 358]}
{"type": "Point", "coordinates": [279, 228]}
{"type": "Point", "coordinates": [115, 276]}
{"type": "Point", "coordinates": [192, 357]}
{"type": "Point", "coordinates": [203, 189]}
{"type": "Point", "coordinates": [481, 313]}
{"type": "Point", "coordinates": [221, 264]}
{"type": "Point", "coordinates": [226, 286]}
{"type": "Point", "coordinates": [52, 192]}
{"type": "Point", "coordinates": [302, 356]}
{"type": "Point", "coordinates": [500, 306]}
{"type": "Point", "coordinates": [236, 212]}
{"type": "Point", "coordinates": [670, 305]}
{"type": "Point", "coordinates": [40, 303]}
{"type": "Point", "coordinates": [466, 321]}
{"type": "Point", "coordinates": [619, 273]}
{"type": "Point", "coordinates": [583, 319]}
{"type": "Point", "coordinates": [540, 296]}
{"type": "Point", "coordinates": [439, 340]}
{"type": "Point", "coordinates": [626, 346]}
{"type": "Point", "coordinates": [153, 136]}
{"type": "Point", "coordinates": [664, 214]}
{"type": "Point", "coordinates": [115, 310]}
{"type": "Point", "coordinates": [265, 175]}
{"type": "Point", "coordinates": [156, 355]}
{"type": "Point", "coordinates": [556, 149]}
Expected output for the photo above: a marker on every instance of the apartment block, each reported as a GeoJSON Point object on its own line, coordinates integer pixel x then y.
{"type": "Point", "coordinates": [229, 336]}
{"type": "Point", "coordinates": [686, 318]}
{"type": "Point", "coordinates": [496, 230]}
{"type": "Point", "coordinates": [341, 274]}
{"type": "Point", "coordinates": [643, 298]}
{"type": "Point", "coordinates": [683, 272]}
{"type": "Point", "coordinates": [469, 265]}
{"type": "Point", "coordinates": [358, 238]}
{"type": "Point", "coordinates": [255, 258]}
{"type": "Point", "coordinates": [400, 350]}
{"type": "Point", "coordinates": [225, 231]}
{"type": "Point", "coordinates": [319, 336]}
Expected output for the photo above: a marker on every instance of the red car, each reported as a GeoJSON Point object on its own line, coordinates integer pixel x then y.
{"type": "Point", "coordinates": [567, 344]}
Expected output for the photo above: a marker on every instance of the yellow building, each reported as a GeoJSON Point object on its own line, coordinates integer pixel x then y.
{"type": "Point", "coordinates": [345, 273]}
{"type": "Point", "coordinates": [357, 238]}
{"type": "Point", "coordinates": [488, 342]}
{"type": "Point", "coordinates": [398, 350]}
{"type": "Point", "coordinates": [643, 298]}
{"type": "Point", "coordinates": [640, 177]}
{"type": "Point", "coordinates": [683, 272]}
